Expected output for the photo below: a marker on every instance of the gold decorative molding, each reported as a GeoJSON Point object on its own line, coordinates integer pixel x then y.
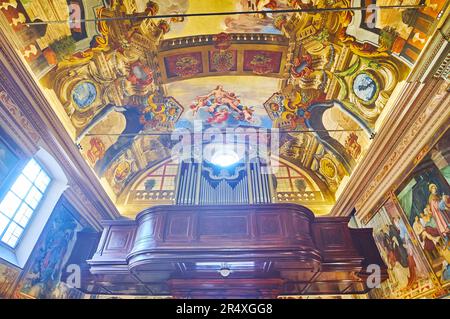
{"type": "Point", "coordinates": [444, 69]}
{"type": "Point", "coordinates": [433, 60]}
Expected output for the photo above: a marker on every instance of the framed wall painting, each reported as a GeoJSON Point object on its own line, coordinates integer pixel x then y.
{"type": "Point", "coordinates": [409, 274]}
{"type": "Point", "coordinates": [425, 199]}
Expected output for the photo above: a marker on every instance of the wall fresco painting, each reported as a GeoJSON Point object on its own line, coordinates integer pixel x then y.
{"type": "Point", "coordinates": [411, 229]}
{"type": "Point", "coordinates": [42, 275]}
{"type": "Point", "coordinates": [425, 199]}
{"type": "Point", "coordinates": [408, 273]}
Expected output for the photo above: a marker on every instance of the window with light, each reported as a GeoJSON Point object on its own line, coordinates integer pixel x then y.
{"type": "Point", "coordinates": [288, 178]}
{"type": "Point", "coordinates": [21, 201]}
{"type": "Point", "coordinates": [161, 178]}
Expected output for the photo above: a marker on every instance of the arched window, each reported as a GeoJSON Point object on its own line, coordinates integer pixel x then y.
{"type": "Point", "coordinates": [155, 186]}
{"type": "Point", "coordinates": [295, 185]}
{"type": "Point", "coordinates": [27, 203]}
{"type": "Point", "coordinates": [17, 207]}
{"type": "Point", "coordinates": [290, 179]}
{"type": "Point", "coordinates": [161, 178]}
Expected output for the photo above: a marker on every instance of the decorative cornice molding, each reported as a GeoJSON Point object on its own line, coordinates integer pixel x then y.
{"type": "Point", "coordinates": [24, 133]}
{"type": "Point", "coordinates": [443, 70]}
{"type": "Point", "coordinates": [409, 149]}
{"type": "Point", "coordinates": [424, 91]}
{"type": "Point", "coordinates": [435, 53]}
{"type": "Point", "coordinates": [18, 115]}
{"type": "Point", "coordinates": [419, 104]}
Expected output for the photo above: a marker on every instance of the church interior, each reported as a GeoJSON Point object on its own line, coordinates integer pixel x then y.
{"type": "Point", "coordinates": [192, 149]}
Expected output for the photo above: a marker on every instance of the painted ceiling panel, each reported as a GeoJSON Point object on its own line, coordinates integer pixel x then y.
{"type": "Point", "coordinates": [189, 92]}
{"type": "Point", "coordinates": [124, 85]}
{"type": "Point", "coordinates": [227, 23]}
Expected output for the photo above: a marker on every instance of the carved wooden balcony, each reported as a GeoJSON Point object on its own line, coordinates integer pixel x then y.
{"type": "Point", "coordinates": [258, 251]}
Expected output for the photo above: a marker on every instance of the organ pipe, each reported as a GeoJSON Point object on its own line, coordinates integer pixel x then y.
{"type": "Point", "coordinates": [200, 184]}
{"type": "Point", "coordinates": [199, 175]}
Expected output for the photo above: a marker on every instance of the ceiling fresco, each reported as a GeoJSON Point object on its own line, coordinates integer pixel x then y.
{"type": "Point", "coordinates": [261, 23]}
{"type": "Point", "coordinates": [120, 87]}
{"type": "Point", "coordinates": [227, 101]}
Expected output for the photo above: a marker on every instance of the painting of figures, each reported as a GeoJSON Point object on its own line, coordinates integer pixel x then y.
{"type": "Point", "coordinates": [222, 106]}
{"type": "Point", "coordinates": [424, 198]}
{"type": "Point", "coordinates": [43, 275]}
{"type": "Point", "coordinates": [230, 102]}
{"type": "Point", "coordinates": [408, 275]}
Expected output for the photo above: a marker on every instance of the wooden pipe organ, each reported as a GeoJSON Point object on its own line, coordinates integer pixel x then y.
{"type": "Point", "coordinates": [225, 238]}
{"type": "Point", "coordinates": [242, 183]}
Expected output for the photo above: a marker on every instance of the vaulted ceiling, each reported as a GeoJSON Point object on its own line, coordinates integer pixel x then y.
{"type": "Point", "coordinates": [326, 80]}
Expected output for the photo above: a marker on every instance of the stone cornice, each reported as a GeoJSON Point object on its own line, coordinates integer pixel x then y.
{"type": "Point", "coordinates": [435, 53]}
{"type": "Point", "coordinates": [382, 144]}
{"type": "Point", "coordinates": [419, 111]}
{"type": "Point", "coordinates": [23, 91]}
{"type": "Point", "coordinates": [435, 116]}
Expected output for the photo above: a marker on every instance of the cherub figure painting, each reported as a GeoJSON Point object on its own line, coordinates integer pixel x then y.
{"type": "Point", "coordinates": [222, 108]}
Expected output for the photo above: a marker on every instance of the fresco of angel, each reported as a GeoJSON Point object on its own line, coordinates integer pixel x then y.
{"type": "Point", "coordinates": [221, 107]}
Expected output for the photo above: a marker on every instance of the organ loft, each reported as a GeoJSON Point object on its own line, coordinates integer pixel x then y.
{"type": "Point", "coordinates": [186, 149]}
